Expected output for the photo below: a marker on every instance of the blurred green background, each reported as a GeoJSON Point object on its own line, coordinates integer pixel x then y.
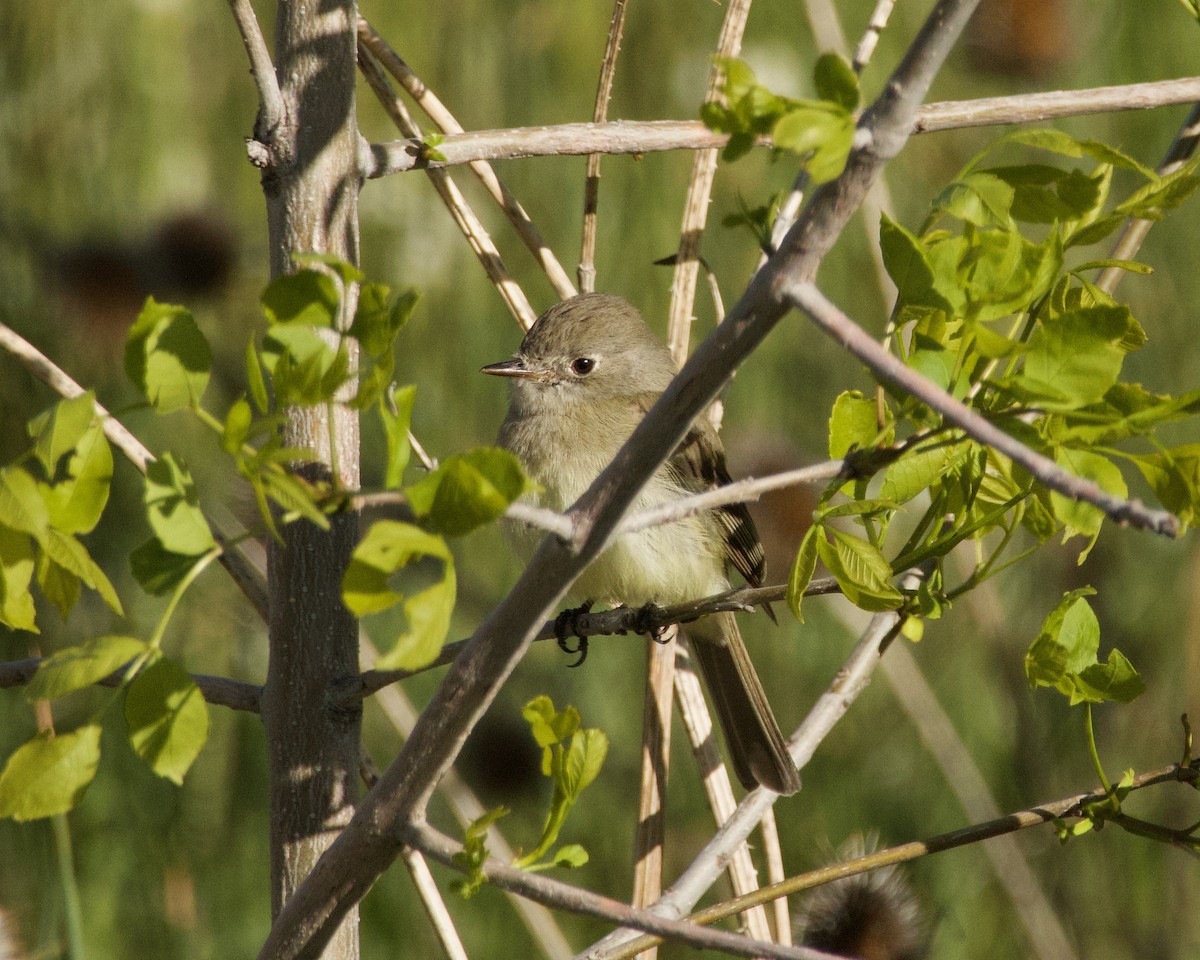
{"type": "Point", "coordinates": [124, 173]}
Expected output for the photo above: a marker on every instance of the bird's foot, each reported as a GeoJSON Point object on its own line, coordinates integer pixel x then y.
{"type": "Point", "coordinates": [567, 624]}
{"type": "Point", "coordinates": [648, 620]}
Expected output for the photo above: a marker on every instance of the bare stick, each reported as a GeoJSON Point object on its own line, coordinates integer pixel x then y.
{"type": "Point", "coordinates": [1135, 230]}
{"type": "Point", "coordinates": [652, 136]}
{"type": "Point", "coordinates": [775, 874]}
{"type": "Point", "coordinates": [470, 225]}
{"type": "Point", "coordinates": [221, 691]}
{"type": "Point", "coordinates": [270, 99]}
{"type": "Point", "coordinates": [695, 209]}
{"type": "Point", "coordinates": [435, 906]}
{"type": "Point", "coordinates": [446, 122]}
{"type": "Point", "coordinates": [561, 896]}
{"type": "Point", "coordinates": [591, 188]}
{"type": "Point", "coordinates": [702, 735]}
{"type": "Point", "coordinates": [875, 26]}
{"type": "Point", "coordinates": [886, 367]}
{"type": "Point", "coordinates": [622, 620]}
{"type": "Point", "coordinates": [651, 827]}
{"type": "Point", "coordinates": [251, 581]}
{"type": "Point", "coordinates": [1020, 820]}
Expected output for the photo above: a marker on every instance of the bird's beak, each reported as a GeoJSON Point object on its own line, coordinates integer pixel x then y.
{"type": "Point", "coordinates": [512, 368]}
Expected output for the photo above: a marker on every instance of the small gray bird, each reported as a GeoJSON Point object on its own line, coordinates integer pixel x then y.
{"type": "Point", "coordinates": [584, 377]}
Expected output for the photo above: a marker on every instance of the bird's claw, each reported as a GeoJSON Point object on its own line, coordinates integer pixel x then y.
{"type": "Point", "coordinates": [566, 624]}
{"type": "Point", "coordinates": [648, 620]}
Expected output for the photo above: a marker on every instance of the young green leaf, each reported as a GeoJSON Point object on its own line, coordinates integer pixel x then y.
{"type": "Point", "coordinates": [49, 774]}
{"type": "Point", "coordinates": [835, 80]}
{"type": "Point", "coordinates": [17, 611]}
{"type": "Point", "coordinates": [57, 432]}
{"type": "Point", "coordinates": [80, 666]}
{"type": "Point", "coordinates": [1067, 643]}
{"type": "Point", "coordinates": [469, 490]}
{"type": "Point", "coordinates": [167, 357]}
{"type": "Point", "coordinates": [237, 426]}
{"type": "Point", "coordinates": [907, 264]}
{"type": "Point", "coordinates": [853, 424]}
{"type": "Point", "coordinates": [379, 319]}
{"type": "Point", "coordinates": [1078, 352]}
{"type": "Point", "coordinates": [21, 505]}
{"type": "Point", "coordinates": [71, 557]}
{"type": "Point", "coordinates": [167, 719]}
{"type": "Point", "coordinates": [173, 507]}
{"type": "Point", "coordinates": [306, 298]}
{"type": "Point", "coordinates": [396, 414]}
{"type": "Point", "coordinates": [346, 272]}
{"type": "Point", "coordinates": [255, 381]}
{"type": "Point", "coordinates": [1079, 518]}
{"type": "Point", "coordinates": [916, 471]}
{"type": "Point", "coordinates": [157, 569]}
{"type": "Point", "coordinates": [388, 547]}
{"type": "Point", "coordinates": [861, 571]}
{"type": "Point", "coordinates": [802, 571]}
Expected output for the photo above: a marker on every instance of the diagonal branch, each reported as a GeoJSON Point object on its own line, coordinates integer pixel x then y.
{"type": "Point", "coordinates": [892, 370]}
{"type": "Point", "coordinates": [270, 98]}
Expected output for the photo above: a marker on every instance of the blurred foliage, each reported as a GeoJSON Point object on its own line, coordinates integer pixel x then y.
{"type": "Point", "coordinates": [121, 132]}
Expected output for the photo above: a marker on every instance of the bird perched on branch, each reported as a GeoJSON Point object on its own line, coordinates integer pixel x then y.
{"type": "Point", "coordinates": [584, 377]}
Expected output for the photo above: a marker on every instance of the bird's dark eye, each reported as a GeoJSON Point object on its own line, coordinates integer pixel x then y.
{"type": "Point", "coordinates": [583, 365]}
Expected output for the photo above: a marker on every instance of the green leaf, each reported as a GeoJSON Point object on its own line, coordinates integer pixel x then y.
{"type": "Point", "coordinates": [1056, 141]}
{"type": "Point", "coordinates": [827, 132]}
{"type": "Point", "coordinates": [49, 775]}
{"type": "Point", "coordinates": [1078, 352]}
{"type": "Point", "coordinates": [378, 320]}
{"type": "Point", "coordinates": [388, 547]}
{"type": "Point", "coordinates": [918, 470]}
{"type": "Point", "coordinates": [304, 368]}
{"type": "Point", "coordinates": [78, 667]}
{"type": "Point", "coordinates": [21, 505]}
{"type": "Point", "coordinates": [1066, 644]}
{"type": "Point", "coordinates": [861, 571]}
{"type": "Point", "coordinates": [347, 272]}
{"type": "Point", "coordinates": [978, 198]}
{"type": "Point", "coordinates": [294, 496]}
{"type": "Point", "coordinates": [69, 555]}
{"type": "Point", "coordinates": [853, 424]}
{"type": "Point", "coordinates": [396, 415]}
{"type": "Point", "coordinates": [255, 380]}
{"type": "Point", "coordinates": [469, 490]}
{"type": "Point", "coordinates": [306, 298]}
{"type": "Point", "coordinates": [549, 726]}
{"type": "Point", "coordinates": [237, 426]}
{"type": "Point", "coordinates": [16, 571]}
{"type": "Point", "coordinates": [58, 431]}
{"type": "Point", "coordinates": [570, 856]}
{"type": "Point", "coordinates": [157, 569]}
{"type": "Point", "coordinates": [908, 265]}
{"type": "Point", "coordinates": [835, 80]}
{"type": "Point", "coordinates": [1174, 475]}
{"type": "Point", "coordinates": [173, 507]}
{"type": "Point", "coordinates": [1082, 519]}
{"type": "Point", "coordinates": [167, 718]}
{"type": "Point", "coordinates": [75, 503]}
{"type": "Point", "coordinates": [60, 586]}
{"type": "Point", "coordinates": [167, 357]}
{"type": "Point", "coordinates": [1115, 679]}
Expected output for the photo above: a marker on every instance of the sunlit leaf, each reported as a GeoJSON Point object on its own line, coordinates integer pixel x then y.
{"type": "Point", "coordinates": [167, 357]}
{"type": "Point", "coordinates": [80, 666]}
{"type": "Point", "coordinates": [49, 775]}
{"type": "Point", "coordinates": [167, 718]}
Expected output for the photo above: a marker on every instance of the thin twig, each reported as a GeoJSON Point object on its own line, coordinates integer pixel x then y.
{"type": "Point", "coordinates": [470, 225]}
{"type": "Point", "coordinates": [702, 735]}
{"type": "Point", "coordinates": [435, 906]}
{"type": "Point", "coordinates": [446, 122]}
{"type": "Point", "coordinates": [870, 38]}
{"type": "Point", "coordinates": [773, 854]}
{"type": "Point", "coordinates": [650, 832]}
{"type": "Point", "coordinates": [1020, 820]}
{"type": "Point", "coordinates": [654, 136]}
{"type": "Point", "coordinates": [562, 896]}
{"type": "Point", "coordinates": [270, 98]}
{"type": "Point", "coordinates": [699, 193]}
{"type": "Point", "coordinates": [591, 188]}
{"type": "Point", "coordinates": [891, 370]}
{"type": "Point", "coordinates": [250, 580]}
{"type": "Point", "coordinates": [221, 691]}
{"type": "Point", "coordinates": [1135, 230]}
{"type": "Point", "coordinates": [621, 621]}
